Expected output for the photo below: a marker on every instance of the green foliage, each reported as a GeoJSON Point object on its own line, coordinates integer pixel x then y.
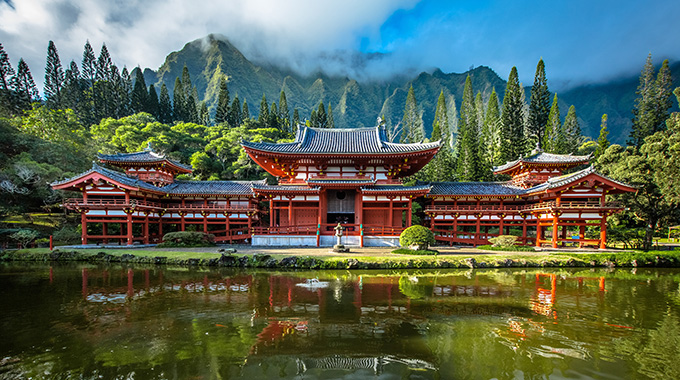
{"type": "Point", "coordinates": [416, 235]}
{"type": "Point", "coordinates": [412, 122]}
{"type": "Point", "coordinates": [187, 239]}
{"type": "Point", "coordinates": [554, 138]}
{"type": "Point", "coordinates": [514, 248]}
{"type": "Point", "coordinates": [469, 164]}
{"type": "Point", "coordinates": [67, 234]}
{"type": "Point", "coordinates": [513, 142]}
{"type": "Point", "coordinates": [539, 105]}
{"type": "Point", "coordinates": [602, 141]}
{"type": "Point", "coordinates": [416, 288]}
{"type": "Point", "coordinates": [420, 252]}
{"type": "Point", "coordinates": [653, 102]}
{"type": "Point", "coordinates": [503, 241]}
{"type": "Point", "coordinates": [24, 237]}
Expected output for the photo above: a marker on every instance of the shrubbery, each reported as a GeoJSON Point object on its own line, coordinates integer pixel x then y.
{"type": "Point", "coordinates": [24, 237]}
{"type": "Point", "coordinates": [512, 248]}
{"type": "Point", "coordinates": [406, 251]}
{"type": "Point", "coordinates": [416, 238]}
{"type": "Point", "coordinates": [503, 241]}
{"type": "Point", "coordinates": [188, 239]}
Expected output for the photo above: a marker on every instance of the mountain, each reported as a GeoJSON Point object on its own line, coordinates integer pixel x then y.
{"type": "Point", "coordinates": [358, 104]}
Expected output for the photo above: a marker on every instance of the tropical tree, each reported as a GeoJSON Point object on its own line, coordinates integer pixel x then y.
{"type": "Point", "coordinates": [539, 105]}
{"type": "Point", "coordinates": [412, 122]}
{"type": "Point", "coordinates": [513, 143]}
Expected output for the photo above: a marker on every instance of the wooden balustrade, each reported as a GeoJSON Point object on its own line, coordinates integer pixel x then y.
{"type": "Point", "coordinates": [142, 204]}
{"type": "Point", "coordinates": [518, 208]}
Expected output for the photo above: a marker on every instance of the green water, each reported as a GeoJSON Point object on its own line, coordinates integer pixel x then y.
{"type": "Point", "coordinates": [116, 322]}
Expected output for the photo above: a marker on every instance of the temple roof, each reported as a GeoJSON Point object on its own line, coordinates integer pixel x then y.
{"type": "Point", "coordinates": [264, 188]}
{"type": "Point", "coordinates": [542, 158]}
{"type": "Point", "coordinates": [175, 188]}
{"type": "Point", "coordinates": [569, 178]}
{"type": "Point", "coordinates": [340, 181]}
{"type": "Point", "coordinates": [476, 188]}
{"type": "Point", "coordinates": [147, 156]}
{"type": "Point", "coordinates": [341, 141]}
{"type": "Point", "coordinates": [395, 188]}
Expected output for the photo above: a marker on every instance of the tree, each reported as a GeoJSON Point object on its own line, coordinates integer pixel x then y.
{"type": "Point", "coordinates": [321, 116]}
{"type": "Point", "coordinates": [25, 91]}
{"type": "Point", "coordinates": [273, 120]}
{"type": "Point", "coordinates": [284, 113]}
{"type": "Point", "coordinates": [652, 103]}
{"type": "Point", "coordinates": [539, 105]}
{"type": "Point", "coordinates": [245, 114]}
{"type": "Point", "coordinates": [54, 78]}
{"type": "Point", "coordinates": [296, 118]}
{"type": "Point", "coordinates": [553, 137]}
{"type": "Point", "coordinates": [164, 106]}
{"type": "Point", "coordinates": [72, 92]}
{"type": "Point", "coordinates": [412, 121]}
{"type": "Point", "coordinates": [6, 75]}
{"type": "Point", "coordinates": [469, 167]}
{"type": "Point", "coordinates": [439, 168]}
{"type": "Point", "coordinates": [235, 117]}
{"type": "Point", "coordinates": [572, 131]}
{"type": "Point", "coordinates": [139, 99]}
{"type": "Point", "coordinates": [440, 125]}
{"type": "Point", "coordinates": [223, 100]}
{"type": "Point", "coordinates": [329, 118]}
{"type": "Point", "coordinates": [263, 117]}
{"type": "Point", "coordinates": [491, 130]}
{"type": "Point", "coordinates": [602, 141]}
{"type": "Point", "coordinates": [204, 115]}
{"type": "Point", "coordinates": [102, 88]}
{"type": "Point", "coordinates": [152, 104]}
{"type": "Point", "coordinates": [178, 102]}
{"type": "Point", "coordinates": [89, 65]}
{"type": "Point", "coordinates": [513, 142]}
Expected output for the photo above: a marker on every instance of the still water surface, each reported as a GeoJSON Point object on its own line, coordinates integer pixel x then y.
{"type": "Point", "coordinates": [118, 322]}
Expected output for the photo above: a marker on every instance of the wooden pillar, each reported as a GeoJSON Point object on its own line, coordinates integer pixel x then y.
{"type": "Point", "coordinates": [290, 211]}
{"type": "Point", "coordinates": [554, 231]}
{"type": "Point", "coordinates": [500, 223]}
{"type": "Point", "coordinates": [603, 232]}
{"type": "Point", "coordinates": [538, 234]}
{"type": "Point", "coordinates": [146, 229]}
{"type": "Point", "coordinates": [83, 232]}
{"type": "Point", "coordinates": [477, 226]}
{"type": "Point", "coordinates": [129, 228]}
{"type": "Point", "coordinates": [160, 226]}
{"type": "Point", "coordinates": [524, 230]}
{"type": "Point", "coordinates": [581, 235]}
{"type": "Point", "coordinates": [409, 213]}
{"type": "Point", "coordinates": [391, 215]}
{"type": "Point", "coordinates": [105, 232]}
{"type": "Point", "coordinates": [358, 208]}
{"type": "Point", "coordinates": [271, 212]}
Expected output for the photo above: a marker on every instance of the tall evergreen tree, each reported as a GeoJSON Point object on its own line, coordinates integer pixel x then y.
{"type": "Point", "coordinates": [479, 106]}
{"type": "Point", "coordinates": [54, 78]}
{"type": "Point", "coordinates": [440, 126]}
{"type": "Point", "coordinates": [223, 100]}
{"type": "Point", "coordinates": [330, 122]}
{"type": "Point", "coordinates": [296, 118]}
{"type": "Point", "coordinates": [412, 122]}
{"type": "Point", "coordinates": [245, 114]}
{"type": "Point", "coordinates": [89, 65]}
{"type": "Point", "coordinates": [273, 120]}
{"type": "Point", "coordinates": [572, 131]}
{"type": "Point", "coordinates": [25, 91]}
{"type": "Point", "coordinates": [284, 112]}
{"type": "Point", "coordinates": [6, 74]}
{"type": "Point", "coordinates": [263, 117]}
{"type": "Point", "coordinates": [440, 167]}
{"type": "Point", "coordinates": [602, 141]}
{"type": "Point", "coordinates": [139, 99]}
{"type": "Point", "coordinates": [491, 130]}
{"type": "Point", "coordinates": [120, 95]}
{"type": "Point", "coordinates": [652, 104]}
{"type": "Point", "coordinates": [72, 91]}
{"type": "Point", "coordinates": [553, 138]}
{"type": "Point", "coordinates": [469, 167]}
{"type": "Point", "coordinates": [513, 142]}
{"type": "Point", "coordinates": [204, 115]}
{"type": "Point", "coordinates": [164, 106]}
{"type": "Point", "coordinates": [235, 118]}
{"type": "Point", "coordinates": [102, 88]}
{"type": "Point", "coordinates": [322, 118]}
{"type": "Point", "coordinates": [193, 108]}
{"type": "Point", "coordinates": [125, 91]}
{"type": "Point", "coordinates": [539, 105]}
{"type": "Point", "coordinates": [452, 114]}
{"type": "Point", "coordinates": [153, 106]}
{"type": "Point", "coordinates": [178, 102]}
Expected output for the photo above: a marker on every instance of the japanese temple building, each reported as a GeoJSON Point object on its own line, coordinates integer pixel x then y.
{"type": "Point", "coordinates": [348, 176]}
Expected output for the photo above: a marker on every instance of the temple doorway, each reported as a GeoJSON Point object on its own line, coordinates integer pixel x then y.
{"type": "Point", "coordinates": [340, 206]}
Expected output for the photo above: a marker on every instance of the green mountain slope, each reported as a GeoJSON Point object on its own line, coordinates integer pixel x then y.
{"type": "Point", "coordinates": [357, 104]}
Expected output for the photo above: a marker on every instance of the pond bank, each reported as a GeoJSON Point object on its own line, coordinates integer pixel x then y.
{"type": "Point", "coordinates": [372, 258]}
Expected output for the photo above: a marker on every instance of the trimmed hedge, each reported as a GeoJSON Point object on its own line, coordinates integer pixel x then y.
{"type": "Point", "coordinates": [188, 239]}
{"type": "Point", "coordinates": [416, 235]}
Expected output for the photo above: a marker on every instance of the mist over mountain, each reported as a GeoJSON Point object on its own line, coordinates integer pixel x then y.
{"type": "Point", "coordinates": [359, 96]}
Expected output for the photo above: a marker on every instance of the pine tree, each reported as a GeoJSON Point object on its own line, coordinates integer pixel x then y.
{"type": "Point", "coordinates": [313, 120]}
{"type": "Point", "coordinates": [412, 122]}
{"type": "Point", "coordinates": [6, 74]}
{"type": "Point", "coordinates": [153, 106]}
{"type": "Point", "coordinates": [602, 141]}
{"type": "Point", "coordinates": [204, 115]}
{"type": "Point", "coordinates": [192, 108]}
{"type": "Point", "coordinates": [124, 92]}
{"type": "Point", "coordinates": [178, 102]}
{"type": "Point", "coordinates": [284, 113]}
{"type": "Point", "coordinates": [223, 100]}
{"type": "Point", "coordinates": [479, 106]}
{"type": "Point", "coordinates": [491, 130]}
{"type": "Point", "coordinates": [72, 91]}
{"type": "Point", "coordinates": [263, 117]}
{"type": "Point", "coordinates": [54, 78]}
{"type": "Point", "coordinates": [245, 114]}
{"type": "Point", "coordinates": [440, 126]}
{"type": "Point", "coordinates": [102, 88]}
{"type": "Point", "coordinates": [652, 104]}
{"type": "Point", "coordinates": [553, 137]}
{"type": "Point", "coordinates": [25, 91]}
{"type": "Point", "coordinates": [572, 131]}
{"type": "Point", "coordinates": [452, 114]}
{"type": "Point", "coordinates": [164, 106]}
{"type": "Point", "coordinates": [539, 105]}
{"type": "Point", "coordinates": [235, 117]}
{"type": "Point", "coordinates": [330, 123]}
{"type": "Point", "coordinates": [139, 99]}
{"type": "Point", "coordinates": [296, 118]}
{"type": "Point", "coordinates": [469, 167]}
{"type": "Point", "coordinates": [89, 65]}
{"type": "Point", "coordinates": [273, 120]}
{"type": "Point", "coordinates": [322, 118]}
{"type": "Point", "coordinates": [513, 142]}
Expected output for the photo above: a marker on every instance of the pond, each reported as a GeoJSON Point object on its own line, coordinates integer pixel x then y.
{"type": "Point", "coordinates": [121, 322]}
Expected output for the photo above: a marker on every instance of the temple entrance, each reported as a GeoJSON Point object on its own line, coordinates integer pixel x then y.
{"type": "Point", "coordinates": [340, 206]}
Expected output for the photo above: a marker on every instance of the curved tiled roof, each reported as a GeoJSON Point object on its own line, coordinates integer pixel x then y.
{"type": "Point", "coordinates": [269, 188]}
{"type": "Point", "coordinates": [341, 141]}
{"type": "Point", "coordinates": [396, 188]}
{"type": "Point", "coordinates": [114, 175]}
{"type": "Point", "coordinates": [340, 181]}
{"type": "Point", "coordinates": [475, 188]}
{"type": "Point", "coordinates": [143, 157]}
{"type": "Point", "coordinates": [568, 178]}
{"type": "Point", "coordinates": [544, 158]}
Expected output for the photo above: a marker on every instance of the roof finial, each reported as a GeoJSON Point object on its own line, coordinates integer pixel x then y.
{"type": "Point", "coordinates": [537, 149]}
{"type": "Point", "coordinates": [148, 147]}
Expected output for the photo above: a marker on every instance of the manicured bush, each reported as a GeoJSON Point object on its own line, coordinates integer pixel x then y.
{"type": "Point", "coordinates": [504, 241]}
{"type": "Point", "coordinates": [24, 237]}
{"type": "Point", "coordinates": [188, 239]}
{"type": "Point", "coordinates": [416, 238]}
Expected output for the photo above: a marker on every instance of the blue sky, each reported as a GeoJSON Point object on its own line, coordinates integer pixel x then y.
{"type": "Point", "coordinates": [580, 41]}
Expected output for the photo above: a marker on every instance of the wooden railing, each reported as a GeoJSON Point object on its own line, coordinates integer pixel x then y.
{"type": "Point", "coordinates": [519, 208]}
{"type": "Point", "coordinates": [329, 229]}
{"type": "Point", "coordinates": [572, 205]}
{"type": "Point", "coordinates": [143, 204]}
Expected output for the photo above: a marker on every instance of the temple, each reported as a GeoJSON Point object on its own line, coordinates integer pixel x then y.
{"type": "Point", "coordinates": [348, 176]}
